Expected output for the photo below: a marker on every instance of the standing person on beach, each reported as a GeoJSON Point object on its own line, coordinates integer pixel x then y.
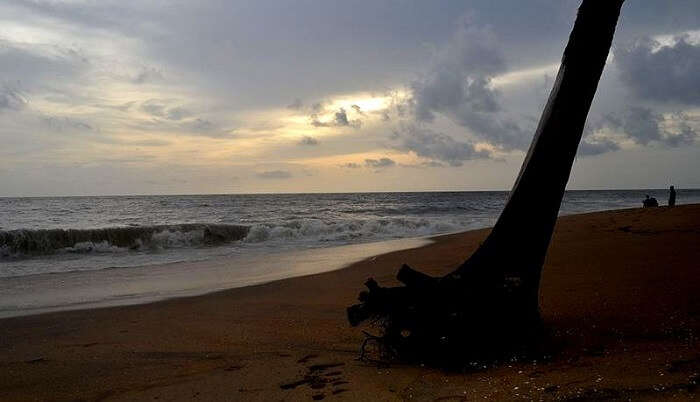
{"type": "Point", "coordinates": [672, 197]}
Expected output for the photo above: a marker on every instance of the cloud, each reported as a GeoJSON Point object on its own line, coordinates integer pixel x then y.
{"type": "Point", "coordinates": [643, 126]}
{"type": "Point", "coordinates": [149, 143]}
{"type": "Point", "coordinates": [123, 107]}
{"type": "Point", "coordinates": [39, 65]}
{"type": "Point", "coordinates": [661, 73]}
{"type": "Point", "coordinates": [431, 164]}
{"type": "Point", "coordinates": [148, 75]}
{"type": "Point", "coordinates": [424, 165]}
{"type": "Point", "coordinates": [357, 110]}
{"type": "Point", "coordinates": [317, 107]}
{"type": "Point", "coordinates": [686, 135]}
{"type": "Point", "coordinates": [153, 107]}
{"type": "Point", "coordinates": [179, 118]}
{"type": "Point", "coordinates": [314, 121]}
{"type": "Point", "coordinates": [308, 141]}
{"type": "Point", "coordinates": [458, 86]}
{"type": "Point", "coordinates": [220, 69]}
{"type": "Point", "coordinates": [204, 128]}
{"type": "Point", "coordinates": [296, 104]}
{"type": "Point", "coordinates": [589, 147]}
{"type": "Point", "coordinates": [64, 123]}
{"type": "Point", "coordinates": [379, 163]}
{"type": "Point", "coordinates": [275, 174]}
{"type": "Point", "coordinates": [436, 146]}
{"type": "Point", "coordinates": [161, 108]}
{"type": "Point", "coordinates": [351, 165]}
{"type": "Point", "coordinates": [177, 113]}
{"type": "Point", "coordinates": [340, 119]}
{"type": "Point", "coordinates": [11, 99]}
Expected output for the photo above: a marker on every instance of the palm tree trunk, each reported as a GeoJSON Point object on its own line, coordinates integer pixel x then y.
{"type": "Point", "coordinates": [518, 243]}
{"type": "Point", "coordinates": [500, 281]}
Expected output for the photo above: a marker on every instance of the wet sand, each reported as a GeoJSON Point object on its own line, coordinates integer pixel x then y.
{"type": "Point", "coordinates": [620, 294]}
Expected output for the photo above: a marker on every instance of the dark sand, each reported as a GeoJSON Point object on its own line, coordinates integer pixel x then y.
{"type": "Point", "coordinates": [620, 291]}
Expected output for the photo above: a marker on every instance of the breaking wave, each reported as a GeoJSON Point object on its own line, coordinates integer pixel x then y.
{"type": "Point", "coordinates": [37, 242]}
{"type": "Point", "coordinates": [27, 242]}
{"type": "Point", "coordinates": [349, 230]}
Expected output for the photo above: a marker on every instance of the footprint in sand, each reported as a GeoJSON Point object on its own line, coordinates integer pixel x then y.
{"type": "Point", "coordinates": [318, 377]}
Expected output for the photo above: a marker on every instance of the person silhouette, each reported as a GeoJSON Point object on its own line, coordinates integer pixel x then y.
{"type": "Point", "coordinates": [671, 197]}
{"type": "Point", "coordinates": [650, 202]}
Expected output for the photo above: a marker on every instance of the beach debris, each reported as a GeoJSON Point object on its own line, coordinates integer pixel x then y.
{"type": "Point", "coordinates": [490, 304]}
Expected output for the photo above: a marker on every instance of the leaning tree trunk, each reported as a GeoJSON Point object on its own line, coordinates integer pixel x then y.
{"type": "Point", "coordinates": [492, 298]}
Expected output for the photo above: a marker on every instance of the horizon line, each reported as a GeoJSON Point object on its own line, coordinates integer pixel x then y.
{"type": "Point", "coordinates": [323, 192]}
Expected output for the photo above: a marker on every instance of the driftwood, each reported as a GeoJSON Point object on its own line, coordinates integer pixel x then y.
{"type": "Point", "coordinates": [490, 303]}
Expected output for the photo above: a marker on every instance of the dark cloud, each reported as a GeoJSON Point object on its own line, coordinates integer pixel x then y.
{"type": "Point", "coordinates": [357, 110]}
{"type": "Point", "coordinates": [350, 165]}
{"type": "Point", "coordinates": [641, 124]}
{"type": "Point", "coordinates": [379, 163]}
{"type": "Point", "coordinates": [308, 141]}
{"type": "Point", "coordinates": [340, 119]}
{"type": "Point", "coordinates": [436, 146]}
{"type": "Point", "coordinates": [458, 86]}
{"type": "Point", "coordinates": [661, 73]}
{"type": "Point", "coordinates": [275, 174]}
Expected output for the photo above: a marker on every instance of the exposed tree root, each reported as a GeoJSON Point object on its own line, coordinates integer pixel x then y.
{"type": "Point", "coordinates": [447, 321]}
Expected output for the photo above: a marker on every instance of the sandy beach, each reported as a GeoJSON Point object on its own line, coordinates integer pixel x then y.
{"type": "Point", "coordinates": [619, 296]}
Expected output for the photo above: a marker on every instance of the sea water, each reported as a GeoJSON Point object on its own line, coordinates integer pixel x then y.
{"type": "Point", "coordinates": [72, 252]}
{"type": "Point", "coordinates": [63, 234]}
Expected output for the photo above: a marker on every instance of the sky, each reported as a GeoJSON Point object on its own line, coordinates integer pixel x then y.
{"type": "Point", "coordinates": [102, 97]}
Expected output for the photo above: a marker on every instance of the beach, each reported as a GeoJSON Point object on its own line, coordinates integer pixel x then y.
{"type": "Point", "coordinates": [619, 297]}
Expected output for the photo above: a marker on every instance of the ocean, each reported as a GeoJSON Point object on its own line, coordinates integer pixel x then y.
{"type": "Point", "coordinates": [65, 241]}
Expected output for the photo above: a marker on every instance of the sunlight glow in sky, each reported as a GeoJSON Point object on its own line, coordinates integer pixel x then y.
{"type": "Point", "coordinates": [126, 97]}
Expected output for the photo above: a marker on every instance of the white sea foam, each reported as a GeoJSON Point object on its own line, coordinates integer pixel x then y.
{"type": "Point", "coordinates": [26, 242]}
{"type": "Point", "coordinates": [345, 231]}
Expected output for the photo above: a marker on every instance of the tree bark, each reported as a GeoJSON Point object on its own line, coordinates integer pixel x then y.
{"type": "Point", "coordinates": [500, 281]}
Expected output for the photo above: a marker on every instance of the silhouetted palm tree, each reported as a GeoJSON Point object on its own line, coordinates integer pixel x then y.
{"type": "Point", "coordinates": [492, 298]}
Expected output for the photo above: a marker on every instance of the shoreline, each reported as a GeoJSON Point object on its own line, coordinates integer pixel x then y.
{"type": "Point", "coordinates": [619, 293]}
{"type": "Point", "coordinates": [102, 296]}
{"type": "Point", "coordinates": [123, 286]}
